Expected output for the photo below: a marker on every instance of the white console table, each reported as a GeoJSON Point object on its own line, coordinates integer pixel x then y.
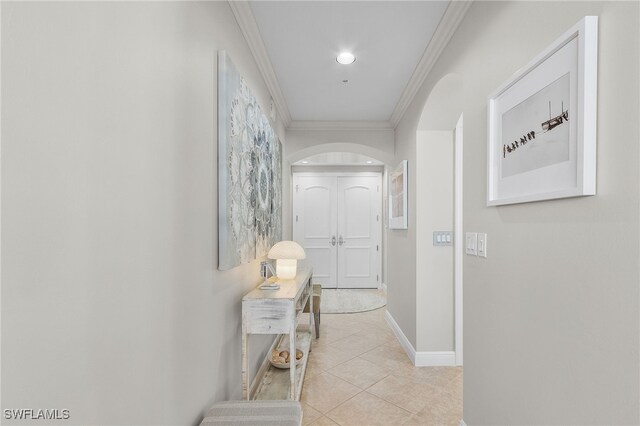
{"type": "Point", "coordinates": [276, 312]}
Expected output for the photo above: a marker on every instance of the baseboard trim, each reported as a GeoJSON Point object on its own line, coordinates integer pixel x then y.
{"type": "Point", "coordinates": [420, 359]}
{"type": "Point", "coordinates": [404, 342]}
{"type": "Point", "coordinates": [462, 423]}
{"type": "Point", "coordinates": [435, 359]}
{"type": "Point", "coordinates": [384, 288]}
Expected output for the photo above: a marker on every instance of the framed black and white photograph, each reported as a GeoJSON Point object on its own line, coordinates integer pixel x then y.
{"type": "Point", "coordinates": [398, 197]}
{"type": "Point", "coordinates": [542, 124]}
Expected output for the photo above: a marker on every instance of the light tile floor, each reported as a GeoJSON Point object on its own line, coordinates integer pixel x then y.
{"type": "Point", "coordinates": [358, 374]}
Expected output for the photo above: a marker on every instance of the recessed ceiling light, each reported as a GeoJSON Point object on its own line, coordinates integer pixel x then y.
{"type": "Point", "coordinates": [304, 162]}
{"type": "Point", "coordinates": [369, 162]}
{"type": "Point", "coordinates": [345, 58]}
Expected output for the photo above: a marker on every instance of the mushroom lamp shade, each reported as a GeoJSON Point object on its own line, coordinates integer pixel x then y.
{"type": "Point", "coordinates": [286, 254]}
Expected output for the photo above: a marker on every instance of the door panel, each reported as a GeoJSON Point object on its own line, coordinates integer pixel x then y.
{"type": "Point", "coordinates": [357, 205]}
{"type": "Point", "coordinates": [322, 259]}
{"type": "Point", "coordinates": [359, 215]}
{"type": "Point", "coordinates": [315, 223]}
{"type": "Point", "coordinates": [316, 205]}
{"type": "Point", "coordinates": [357, 261]}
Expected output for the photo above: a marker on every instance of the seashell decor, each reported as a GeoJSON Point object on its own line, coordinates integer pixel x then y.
{"type": "Point", "coordinates": [281, 358]}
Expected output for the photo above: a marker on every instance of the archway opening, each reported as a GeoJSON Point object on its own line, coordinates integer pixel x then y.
{"type": "Point", "coordinates": [439, 212]}
{"type": "Point", "coordinates": [342, 149]}
{"type": "Point", "coordinates": [341, 158]}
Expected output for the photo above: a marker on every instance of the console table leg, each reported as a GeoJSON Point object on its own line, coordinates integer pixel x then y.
{"type": "Point", "coordinates": [292, 361]}
{"type": "Point", "coordinates": [312, 323]}
{"type": "Point", "coordinates": [245, 364]}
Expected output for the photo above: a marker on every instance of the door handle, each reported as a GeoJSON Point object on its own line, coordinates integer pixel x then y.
{"type": "Point", "coordinates": [341, 241]}
{"type": "Point", "coordinates": [333, 240]}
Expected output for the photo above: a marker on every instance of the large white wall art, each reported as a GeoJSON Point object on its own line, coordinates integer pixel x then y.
{"type": "Point", "coordinates": [249, 173]}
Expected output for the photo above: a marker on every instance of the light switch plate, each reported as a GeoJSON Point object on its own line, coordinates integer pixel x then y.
{"type": "Point", "coordinates": [442, 238]}
{"type": "Point", "coordinates": [471, 243]}
{"type": "Point", "coordinates": [482, 244]}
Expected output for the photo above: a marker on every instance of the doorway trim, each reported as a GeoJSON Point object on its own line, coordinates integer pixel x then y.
{"type": "Point", "coordinates": [458, 255]}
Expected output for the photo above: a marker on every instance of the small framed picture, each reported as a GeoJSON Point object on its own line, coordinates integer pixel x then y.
{"type": "Point", "coordinates": [542, 124]}
{"type": "Point", "coordinates": [397, 197]}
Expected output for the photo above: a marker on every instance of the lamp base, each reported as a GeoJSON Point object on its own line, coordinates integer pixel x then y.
{"type": "Point", "coordinates": [269, 284]}
{"type": "Point", "coordinates": [286, 268]}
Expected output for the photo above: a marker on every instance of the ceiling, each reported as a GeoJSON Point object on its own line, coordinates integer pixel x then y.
{"type": "Point", "coordinates": [303, 38]}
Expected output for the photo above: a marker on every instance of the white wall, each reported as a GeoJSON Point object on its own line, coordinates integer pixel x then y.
{"type": "Point", "coordinates": [552, 315]}
{"type": "Point", "coordinates": [112, 304]}
{"type": "Point", "coordinates": [376, 138]}
{"type": "Point", "coordinates": [434, 264]}
{"type": "Point", "coordinates": [401, 250]}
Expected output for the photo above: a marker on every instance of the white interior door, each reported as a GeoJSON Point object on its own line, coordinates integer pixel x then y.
{"type": "Point", "coordinates": [337, 219]}
{"type": "Point", "coordinates": [359, 231]}
{"type": "Point", "coordinates": [315, 224]}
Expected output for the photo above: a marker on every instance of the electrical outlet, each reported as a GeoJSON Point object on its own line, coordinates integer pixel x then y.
{"type": "Point", "coordinates": [471, 246]}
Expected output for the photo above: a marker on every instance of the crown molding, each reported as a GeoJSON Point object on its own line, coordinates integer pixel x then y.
{"type": "Point", "coordinates": [249, 27]}
{"type": "Point", "coordinates": [341, 125]}
{"type": "Point", "coordinates": [448, 25]}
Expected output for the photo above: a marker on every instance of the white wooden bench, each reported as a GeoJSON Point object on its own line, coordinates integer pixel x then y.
{"type": "Point", "coordinates": [254, 413]}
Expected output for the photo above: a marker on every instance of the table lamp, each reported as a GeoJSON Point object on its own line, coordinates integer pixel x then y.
{"type": "Point", "coordinates": [286, 254]}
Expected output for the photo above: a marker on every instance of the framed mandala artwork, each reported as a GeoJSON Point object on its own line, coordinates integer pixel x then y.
{"type": "Point", "coordinates": [249, 173]}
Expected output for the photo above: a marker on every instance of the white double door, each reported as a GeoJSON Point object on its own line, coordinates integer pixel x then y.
{"type": "Point", "coordinates": [337, 219]}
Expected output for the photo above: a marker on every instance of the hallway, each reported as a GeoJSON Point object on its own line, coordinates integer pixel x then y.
{"type": "Point", "coordinates": [359, 374]}
{"type": "Point", "coordinates": [149, 157]}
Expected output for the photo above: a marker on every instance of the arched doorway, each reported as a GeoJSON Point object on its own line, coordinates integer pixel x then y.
{"type": "Point", "coordinates": [439, 137]}
{"type": "Point", "coordinates": [337, 216]}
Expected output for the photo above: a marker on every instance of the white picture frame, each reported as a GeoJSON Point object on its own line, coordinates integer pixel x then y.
{"type": "Point", "coordinates": [397, 190]}
{"type": "Point", "coordinates": [532, 157]}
